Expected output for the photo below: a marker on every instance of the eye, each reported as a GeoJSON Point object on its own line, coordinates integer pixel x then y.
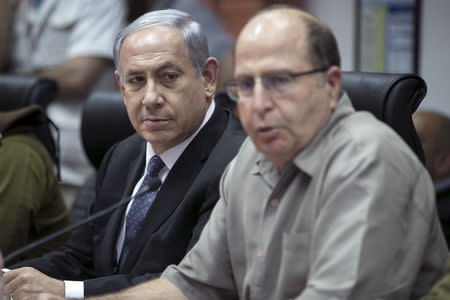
{"type": "Point", "coordinates": [245, 84]}
{"type": "Point", "coordinates": [276, 80]}
{"type": "Point", "coordinates": [169, 78]}
{"type": "Point", "coordinates": [135, 80]}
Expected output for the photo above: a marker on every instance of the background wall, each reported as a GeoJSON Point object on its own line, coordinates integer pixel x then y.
{"type": "Point", "coordinates": [434, 59]}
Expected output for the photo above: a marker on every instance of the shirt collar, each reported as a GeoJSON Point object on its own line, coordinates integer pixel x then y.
{"type": "Point", "coordinates": [170, 156]}
{"type": "Point", "coordinates": [307, 160]}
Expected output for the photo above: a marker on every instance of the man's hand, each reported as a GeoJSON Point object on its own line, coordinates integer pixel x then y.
{"type": "Point", "coordinates": [25, 282]}
{"type": "Point", "coordinates": [49, 297]}
{"type": "Point", "coordinates": [1, 273]}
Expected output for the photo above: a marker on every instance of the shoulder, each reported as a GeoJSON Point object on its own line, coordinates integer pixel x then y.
{"type": "Point", "coordinates": [246, 160]}
{"type": "Point", "coordinates": [361, 135]}
{"type": "Point", "coordinates": [82, 7]}
{"type": "Point", "coordinates": [122, 151]}
{"type": "Point", "coordinates": [24, 149]}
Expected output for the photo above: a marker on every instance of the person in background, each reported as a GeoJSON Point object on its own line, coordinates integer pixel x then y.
{"type": "Point", "coordinates": [31, 204]}
{"type": "Point", "coordinates": [183, 139]}
{"type": "Point", "coordinates": [69, 42]}
{"type": "Point", "coordinates": [321, 202]}
{"type": "Point", "coordinates": [433, 129]}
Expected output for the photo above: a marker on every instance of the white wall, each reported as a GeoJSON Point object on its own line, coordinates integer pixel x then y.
{"type": "Point", "coordinates": [434, 59]}
{"type": "Point", "coordinates": [339, 15]}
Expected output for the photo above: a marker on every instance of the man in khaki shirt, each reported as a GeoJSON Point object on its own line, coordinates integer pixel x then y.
{"type": "Point", "coordinates": [321, 202]}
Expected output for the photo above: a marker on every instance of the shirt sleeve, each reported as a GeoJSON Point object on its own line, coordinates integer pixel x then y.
{"type": "Point", "coordinates": [20, 167]}
{"type": "Point", "coordinates": [74, 289]}
{"type": "Point", "coordinates": [205, 272]}
{"type": "Point", "coordinates": [94, 32]}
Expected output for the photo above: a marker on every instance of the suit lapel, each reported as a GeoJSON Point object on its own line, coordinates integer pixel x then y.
{"type": "Point", "coordinates": [178, 182]}
{"type": "Point", "coordinates": [114, 224]}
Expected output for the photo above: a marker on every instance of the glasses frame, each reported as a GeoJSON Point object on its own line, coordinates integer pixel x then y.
{"type": "Point", "coordinates": [232, 84]}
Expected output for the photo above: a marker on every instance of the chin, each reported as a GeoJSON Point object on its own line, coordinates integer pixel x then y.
{"type": "Point", "coordinates": [273, 149]}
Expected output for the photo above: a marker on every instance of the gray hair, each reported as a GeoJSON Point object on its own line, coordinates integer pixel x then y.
{"type": "Point", "coordinates": [190, 30]}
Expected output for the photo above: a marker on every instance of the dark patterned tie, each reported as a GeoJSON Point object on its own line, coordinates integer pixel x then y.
{"type": "Point", "coordinates": [140, 206]}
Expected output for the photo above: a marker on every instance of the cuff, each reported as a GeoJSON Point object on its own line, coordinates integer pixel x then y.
{"type": "Point", "coordinates": [74, 289]}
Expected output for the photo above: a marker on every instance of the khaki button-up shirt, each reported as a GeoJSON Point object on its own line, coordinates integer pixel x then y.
{"type": "Point", "coordinates": [357, 221]}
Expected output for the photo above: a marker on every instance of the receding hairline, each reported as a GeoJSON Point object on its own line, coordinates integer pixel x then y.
{"type": "Point", "coordinates": [172, 29]}
{"type": "Point", "coordinates": [287, 10]}
{"type": "Point", "coordinates": [296, 17]}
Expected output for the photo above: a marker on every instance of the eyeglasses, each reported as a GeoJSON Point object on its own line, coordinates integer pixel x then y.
{"type": "Point", "coordinates": [277, 84]}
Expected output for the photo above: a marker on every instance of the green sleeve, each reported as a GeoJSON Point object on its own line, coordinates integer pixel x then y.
{"type": "Point", "coordinates": [441, 290]}
{"type": "Point", "coordinates": [30, 200]}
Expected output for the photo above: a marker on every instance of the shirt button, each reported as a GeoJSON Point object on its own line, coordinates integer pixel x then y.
{"type": "Point", "coordinates": [259, 253]}
{"type": "Point", "coordinates": [274, 202]}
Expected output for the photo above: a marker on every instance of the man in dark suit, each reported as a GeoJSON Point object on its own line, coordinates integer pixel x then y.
{"type": "Point", "coordinates": [168, 82]}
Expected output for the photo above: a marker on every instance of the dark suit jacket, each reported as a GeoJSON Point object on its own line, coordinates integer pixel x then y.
{"type": "Point", "coordinates": [174, 221]}
{"type": "Point", "coordinates": [443, 208]}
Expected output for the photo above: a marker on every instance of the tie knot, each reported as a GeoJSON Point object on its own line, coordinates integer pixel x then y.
{"type": "Point", "coordinates": [154, 166]}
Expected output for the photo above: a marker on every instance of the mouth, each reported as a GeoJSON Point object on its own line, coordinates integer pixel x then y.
{"type": "Point", "coordinates": [266, 131]}
{"type": "Point", "coordinates": [155, 122]}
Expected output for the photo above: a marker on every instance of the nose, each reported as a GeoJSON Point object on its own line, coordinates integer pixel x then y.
{"type": "Point", "coordinates": [152, 96]}
{"type": "Point", "coordinates": [262, 99]}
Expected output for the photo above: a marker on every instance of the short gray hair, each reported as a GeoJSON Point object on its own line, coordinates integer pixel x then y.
{"type": "Point", "coordinates": [190, 30]}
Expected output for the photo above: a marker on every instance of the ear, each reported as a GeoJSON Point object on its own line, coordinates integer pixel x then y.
{"type": "Point", "coordinates": [210, 72]}
{"type": "Point", "coordinates": [443, 166]}
{"type": "Point", "coordinates": [334, 84]}
{"type": "Point", "coordinates": [117, 77]}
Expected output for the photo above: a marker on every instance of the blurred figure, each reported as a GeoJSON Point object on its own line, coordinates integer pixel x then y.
{"type": "Point", "coordinates": [441, 290]}
{"type": "Point", "coordinates": [70, 42]}
{"type": "Point", "coordinates": [31, 205]}
{"type": "Point", "coordinates": [433, 129]}
{"type": "Point", "coordinates": [220, 42]}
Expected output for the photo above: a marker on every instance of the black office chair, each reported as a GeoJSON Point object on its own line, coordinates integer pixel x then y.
{"type": "Point", "coordinates": [392, 98]}
{"type": "Point", "coordinates": [104, 123]}
{"type": "Point", "coordinates": [19, 91]}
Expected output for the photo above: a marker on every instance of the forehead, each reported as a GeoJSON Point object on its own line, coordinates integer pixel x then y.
{"type": "Point", "coordinates": [271, 42]}
{"type": "Point", "coordinates": [153, 44]}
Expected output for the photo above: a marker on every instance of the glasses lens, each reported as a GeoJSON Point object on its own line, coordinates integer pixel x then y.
{"type": "Point", "coordinates": [231, 88]}
{"type": "Point", "coordinates": [277, 82]}
{"type": "Point", "coordinates": [245, 87]}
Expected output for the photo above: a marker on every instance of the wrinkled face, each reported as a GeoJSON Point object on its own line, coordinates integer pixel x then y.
{"type": "Point", "coordinates": [281, 126]}
{"type": "Point", "coordinates": [165, 99]}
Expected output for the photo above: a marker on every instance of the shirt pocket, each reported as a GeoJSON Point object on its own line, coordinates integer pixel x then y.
{"type": "Point", "coordinates": [294, 264]}
{"type": "Point", "coordinates": [66, 14]}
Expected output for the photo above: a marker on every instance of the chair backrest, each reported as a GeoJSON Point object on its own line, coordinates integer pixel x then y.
{"type": "Point", "coordinates": [104, 123]}
{"type": "Point", "coordinates": [20, 91]}
{"type": "Point", "coordinates": [392, 98]}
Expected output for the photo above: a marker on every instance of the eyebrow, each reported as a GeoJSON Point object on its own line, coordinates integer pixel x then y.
{"type": "Point", "coordinates": [271, 72]}
{"type": "Point", "coordinates": [169, 65]}
{"type": "Point", "coordinates": [164, 66]}
{"type": "Point", "coordinates": [134, 72]}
